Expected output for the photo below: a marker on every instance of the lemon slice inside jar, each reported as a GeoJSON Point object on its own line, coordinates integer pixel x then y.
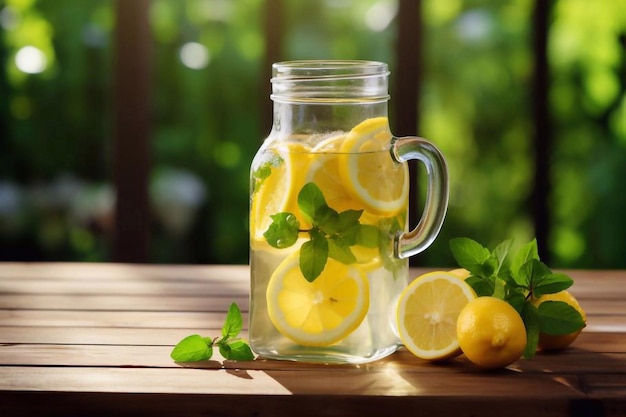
{"type": "Point", "coordinates": [318, 313]}
{"type": "Point", "coordinates": [369, 172]}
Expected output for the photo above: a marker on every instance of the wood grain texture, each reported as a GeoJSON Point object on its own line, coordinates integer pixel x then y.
{"type": "Point", "coordinates": [94, 339]}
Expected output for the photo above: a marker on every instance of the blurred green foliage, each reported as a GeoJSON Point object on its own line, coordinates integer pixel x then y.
{"type": "Point", "coordinates": [56, 104]}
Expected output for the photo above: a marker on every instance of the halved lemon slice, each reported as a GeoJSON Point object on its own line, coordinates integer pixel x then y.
{"type": "Point", "coordinates": [318, 313]}
{"type": "Point", "coordinates": [368, 170]}
{"type": "Point", "coordinates": [324, 172]}
{"type": "Point", "coordinates": [427, 314]}
{"type": "Point", "coordinates": [278, 190]}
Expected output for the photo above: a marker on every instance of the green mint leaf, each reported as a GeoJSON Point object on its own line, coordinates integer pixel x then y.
{"type": "Point", "coordinates": [340, 253]}
{"type": "Point", "coordinates": [531, 273]}
{"type": "Point", "coordinates": [558, 318]}
{"type": "Point", "coordinates": [347, 227]}
{"type": "Point", "coordinates": [327, 219]}
{"type": "Point", "coordinates": [367, 235]}
{"type": "Point", "coordinates": [192, 349]}
{"type": "Point", "coordinates": [524, 254]}
{"type": "Point", "coordinates": [516, 298]}
{"type": "Point", "coordinates": [236, 350]}
{"type": "Point", "coordinates": [283, 231]}
{"type": "Point", "coordinates": [264, 171]}
{"type": "Point", "coordinates": [552, 283]}
{"type": "Point", "coordinates": [349, 218]}
{"type": "Point", "coordinates": [531, 319]}
{"type": "Point", "coordinates": [499, 290]}
{"type": "Point", "coordinates": [481, 286]}
{"type": "Point", "coordinates": [487, 268]}
{"type": "Point", "coordinates": [311, 201]}
{"type": "Point", "coordinates": [469, 254]}
{"type": "Point", "coordinates": [500, 253]}
{"type": "Point", "coordinates": [313, 255]}
{"type": "Point", "coordinates": [233, 323]}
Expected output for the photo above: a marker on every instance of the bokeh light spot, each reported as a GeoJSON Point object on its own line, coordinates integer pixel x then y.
{"type": "Point", "coordinates": [194, 55]}
{"type": "Point", "coordinates": [31, 60]}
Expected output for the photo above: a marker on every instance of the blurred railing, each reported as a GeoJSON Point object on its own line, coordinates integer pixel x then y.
{"type": "Point", "coordinates": [132, 114]}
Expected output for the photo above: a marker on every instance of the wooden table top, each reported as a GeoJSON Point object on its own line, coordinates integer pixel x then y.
{"type": "Point", "coordinates": [95, 339]}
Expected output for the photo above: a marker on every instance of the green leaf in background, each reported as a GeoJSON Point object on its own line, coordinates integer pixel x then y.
{"type": "Point", "coordinates": [192, 349]}
{"type": "Point", "coordinates": [558, 318]}
{"type": "Point", "coordinates": [233, 323]}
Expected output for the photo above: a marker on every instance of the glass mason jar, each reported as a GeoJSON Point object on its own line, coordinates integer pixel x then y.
{"type": "Point", "coordinates": [329, 236]}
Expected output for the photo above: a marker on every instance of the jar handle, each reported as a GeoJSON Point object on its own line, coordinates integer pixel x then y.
{"type": "Point", "coordinates": [422, 236]}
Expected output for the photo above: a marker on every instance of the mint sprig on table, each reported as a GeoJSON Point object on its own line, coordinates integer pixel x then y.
{"type": "Point", "coordinates": [331, 235]}
{"type": "Point", "coordinates": [519, 282]}
{"type": "Point", "coordinates": [196, 348]}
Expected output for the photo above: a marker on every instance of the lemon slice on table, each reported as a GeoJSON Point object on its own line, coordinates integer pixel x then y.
{"type": "Point", "coordinates": [277, 191]}
{"type": "Point", "coordinates": [318, 313]}
{"type": "Point", "coordinates": [368, 171]}
{"type": "Point", "coordinates": [427, 314]}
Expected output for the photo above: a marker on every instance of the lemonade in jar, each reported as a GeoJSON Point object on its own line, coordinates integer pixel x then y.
{"type": "Point", "coordinates": [329, 231]}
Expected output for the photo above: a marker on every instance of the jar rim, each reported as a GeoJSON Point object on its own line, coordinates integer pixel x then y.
{"type": "Point", "coordinates": [327, 68]}
{"type": "Point", "coordinates": [329, 80]}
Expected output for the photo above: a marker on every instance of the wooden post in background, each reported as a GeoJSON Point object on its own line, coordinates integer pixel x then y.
{"type": "Point", "coordinates": [407, 86]}
{"type": "Point", "coordinates": [542, 138]}
{"type": "Point", "coordinates": [273, 27]}
{"type": "Point", "coordinates": [131, 144]}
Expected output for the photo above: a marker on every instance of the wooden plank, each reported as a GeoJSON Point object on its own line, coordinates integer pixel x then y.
{"type": "Point", "coordinates": [122, 271]}
{"type": "Point", "coordinates": [325, 381]}
{"type": "Point", "coordinates": [575, 362]}
{"type": "Point", "coordinates": [130, 287]}
{"type": "Point", "coordinates": [210, 302]}
{"type": "Point", "coordinates": [89, 355]}
{"type": "Point", "coordinates": [590, 341]}
{"type": "Point", "coordinates": [241, 405]}
{"type": "Point", "coordinates": [191, 319]}
{"type": "Point", "coordinates": [605, 386]}
{"type": "Point", "coordinates": [601, 342]}
{"type": "Point", "coordinates": [587, 286]}
{"type": "Point", "coordinates": [114, 319]}
{"type": "Point", "coordinates": [147, 380]}
{"type": "Point", "coordinates": [101, 335]}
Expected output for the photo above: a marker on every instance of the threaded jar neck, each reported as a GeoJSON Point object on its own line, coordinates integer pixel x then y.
{"type": "Point", "coordinates": [329, 81]}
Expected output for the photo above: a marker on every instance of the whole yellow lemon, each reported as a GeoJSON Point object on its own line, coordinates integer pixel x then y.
{"type": "Point", "coordinates": [491, 333]}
